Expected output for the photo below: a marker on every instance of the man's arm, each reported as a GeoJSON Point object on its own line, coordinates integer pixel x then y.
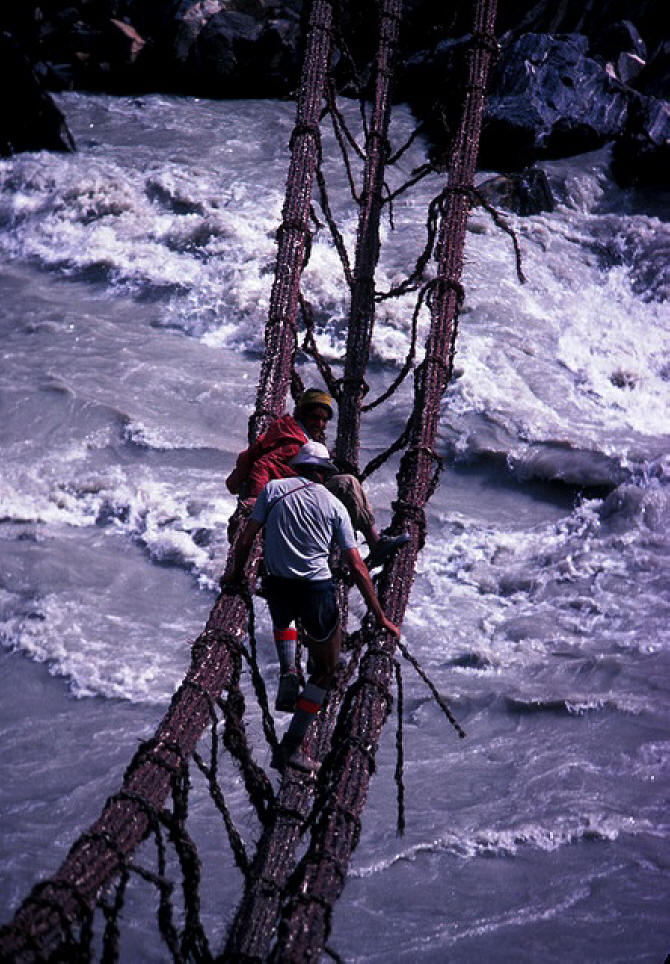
{"type": "Point", "coordinates": [237, 559]}
{"type": "Point", "coordinates": [362, 579]}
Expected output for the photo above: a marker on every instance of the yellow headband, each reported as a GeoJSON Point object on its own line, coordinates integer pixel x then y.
{"type": "Point", "coordinates": [314, 396]}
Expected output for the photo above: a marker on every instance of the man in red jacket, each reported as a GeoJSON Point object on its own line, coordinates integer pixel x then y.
{"type": "Point", "coordinates": [270, 456]}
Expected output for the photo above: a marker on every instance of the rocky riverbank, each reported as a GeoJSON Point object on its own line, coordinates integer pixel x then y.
{"type": "Point", "coordinates": [569, 77]}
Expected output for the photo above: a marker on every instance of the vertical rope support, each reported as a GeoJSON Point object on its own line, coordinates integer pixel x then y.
{"type": "Point", "coordinates": [305, 924]}
{"type": "Point", "coordinates": [362, 310]}
{"type": "Point", "coordinates": [294, 231]}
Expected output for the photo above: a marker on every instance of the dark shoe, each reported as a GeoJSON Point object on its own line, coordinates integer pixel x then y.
{"type": "Point", "coordinates": [301, 760]}
{"type": "Point", "coordinates": [287, 694]}
{"type": "Point", "coordinates": [384, 547]}
{"type": "Point", "coordinates": [282, 752]}
{"type": "Point", "coordinates": [290, 753]}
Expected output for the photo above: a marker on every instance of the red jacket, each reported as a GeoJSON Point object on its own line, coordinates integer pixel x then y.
{"type": "Point", "coordinates": [268, 458]}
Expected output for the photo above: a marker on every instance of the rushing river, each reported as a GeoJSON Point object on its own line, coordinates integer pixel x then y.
{"type": "Point", "coordinates": [135, 282]}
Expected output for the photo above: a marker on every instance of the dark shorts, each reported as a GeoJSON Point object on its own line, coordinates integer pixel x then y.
{"type": "Point", "coordinates": [314, 603]}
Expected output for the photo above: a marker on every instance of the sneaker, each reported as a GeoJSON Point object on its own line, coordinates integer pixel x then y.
{"type": "Point", "coordinates": [384, 547]}
{"type": "Point", "coordinates": [287, 694]}
{"type": "Point", "coordinates": [288, 751]}
{"type": "Point", "coordinates": [301, 760]}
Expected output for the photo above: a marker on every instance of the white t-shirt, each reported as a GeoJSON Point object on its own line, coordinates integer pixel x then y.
{"type": "Point", "coordinates": [301, 518]}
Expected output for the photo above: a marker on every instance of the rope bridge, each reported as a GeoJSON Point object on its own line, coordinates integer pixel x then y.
{"type": "Point", "coordinates": [286, 906]}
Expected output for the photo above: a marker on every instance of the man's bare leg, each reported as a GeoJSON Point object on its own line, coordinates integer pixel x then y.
{"type": "Point", "coordinates": [324, 657]}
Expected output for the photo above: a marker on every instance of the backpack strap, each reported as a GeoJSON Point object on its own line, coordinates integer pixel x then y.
{"type": "Point", "coordinates": [280, 497]}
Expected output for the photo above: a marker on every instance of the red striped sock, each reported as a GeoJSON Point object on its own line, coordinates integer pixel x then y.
{"type": "Point", "coordinates": [285, 641]}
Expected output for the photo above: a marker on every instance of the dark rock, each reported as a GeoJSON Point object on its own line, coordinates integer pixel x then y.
{"type": "Point", "coordinates": [226, 52]}
{"type": "Point", "coordinates": [188, 20]}
{"type": "Point", "coordinates": [620, 37]}
{"type": "Point", "coordinates": [548, 98]}
{"type": "Point", "coordinates": [654, 80]}
{"type": "Point", "coordinates": [589, 17]}
{"type": "Point", "coordinates": [641, 154]}
{"type": "Point", "coordinates": [431, 82]}
{"type": "Point", "coordinates": [628, 67]}
{"type": "Point", "coordinates": [622, 50]}
{"type": "Point", "coordinates": [222, 50]}
{"type": "Point", "coordinates": [525, 193]}
{"type": "Point", "coordinates": [30, 120]}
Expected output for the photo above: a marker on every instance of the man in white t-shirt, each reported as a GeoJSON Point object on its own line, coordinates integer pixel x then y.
{"type": "Point", "coordinates": [301, 519]}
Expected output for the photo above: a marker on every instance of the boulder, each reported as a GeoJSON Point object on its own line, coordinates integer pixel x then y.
{"type": "Point", "coordinates": [190, 20]}
{"type": "Point", "coordinates": [641, 153]}
{"type": "Point", "coordinates": [549, 99]}
{"type": "Point", "coordinates": [621, 49]}
{"type": "Point", "coordinates": [628, 67]}
{"type": "Point", "coordinates": [228, 48]}
{"type": "Point", "coordinates": [527, 192]}
{"type": "Point", "coordinates": [654, 80]}
{"type": "Point", "coordinates": [29, 119]}
{"type": "Point", "coordinates": [620, 37]}
{"type": "Point", "coordinates": [236, 56]}
{"type": "Point", "coordinates": [431, 82]}
{"type": "Point", "coordinates": [222, 50]}
{"type": "Point", "coordinates": [592, 18]}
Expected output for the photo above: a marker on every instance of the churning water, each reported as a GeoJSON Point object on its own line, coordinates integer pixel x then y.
{"type": "Point", "coordinates": [135, 283]}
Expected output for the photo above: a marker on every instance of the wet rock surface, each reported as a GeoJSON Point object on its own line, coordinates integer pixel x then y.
{"type": "Point", "coordinates": [549, 99]}
{"type": "Point", "coordinates": [527, 192]}
{"type": "Point", "coordinates": [641, 153]}
{"type": "Point", "coordinates": [30, 120]}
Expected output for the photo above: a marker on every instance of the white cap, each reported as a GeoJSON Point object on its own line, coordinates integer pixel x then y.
{"type": "Point", "coordinates": [314, 453]}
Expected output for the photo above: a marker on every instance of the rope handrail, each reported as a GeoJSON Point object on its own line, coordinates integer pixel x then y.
{"type": "Point", "coordinates": [38, 930]}
{"type": "Point", "coordinates": [362, 307]}
{"type": "Point", "coordinates": [293, 244]}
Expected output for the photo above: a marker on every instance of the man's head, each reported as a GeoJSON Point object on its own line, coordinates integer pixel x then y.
{"type": "Point", "coordinates": [314, 410]}
{"type": "Point", "coordinates": [313, 461]}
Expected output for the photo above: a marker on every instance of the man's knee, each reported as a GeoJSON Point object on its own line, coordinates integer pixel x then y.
{"type": "Point", "coordinates": [350, 492]}
{"type": "Point", "coordinates": [324, 657]}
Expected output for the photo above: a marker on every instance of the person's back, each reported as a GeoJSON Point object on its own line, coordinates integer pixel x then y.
{"type": "Point", "coordinates": [301, 519]}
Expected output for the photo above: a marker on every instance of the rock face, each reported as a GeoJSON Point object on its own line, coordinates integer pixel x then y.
{"type": "Point", "coordinates": [619, 38]}
{"type": "Point", "coordinates": [654, 79]}
{"type": "Point", "coordinates": [641, 153]}
{"type": "Point", "coordinates": [549, 99]}
{"type": "Point", "coordinates": [525, 193]}
{"type": "Point", "coordinates": [29, 120]}
{"type": "Point", "coordinates": [215, 48]}
{"type": "Point", "coordinates": [233, 54]}
{"type": "Point", "coordinates": [553, 96]}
